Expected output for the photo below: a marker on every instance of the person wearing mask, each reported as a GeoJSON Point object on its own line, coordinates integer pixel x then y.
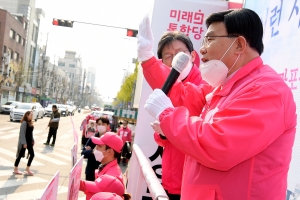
{"type": "Point", "coordinates": [87, 152]}
{"type": "Point", "coordinates": [53, 126]}
{"type": "Point", "coordinates": [108, 148]}
{"type": "Point", "coordinates": [235, 148]}
{"type": "Point", "coordinates": [125, 133]}
{"type": "Point", "coordinates": [171, 43]}
{"type": "Point", "coordinates": [25, 141]}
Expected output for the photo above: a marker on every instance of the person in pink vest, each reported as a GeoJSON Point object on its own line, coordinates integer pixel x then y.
{"type": "Point", "coordinates": [240, 145]}
{"type": "Point", "coordinates": [126, 135]}
{"type": "Point", "coordinates": [171, 43]}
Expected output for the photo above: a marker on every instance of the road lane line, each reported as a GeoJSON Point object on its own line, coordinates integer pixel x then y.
{"type": "Point", "coordinates": [20, 181]}
{"type": "Point", "coordinates": [13, 155]}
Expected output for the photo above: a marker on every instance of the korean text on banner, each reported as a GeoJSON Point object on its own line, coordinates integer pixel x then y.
{"type": "Point", "coordinates": [189, 18]}
{"type": "Point", "coordinates": [281, 22]}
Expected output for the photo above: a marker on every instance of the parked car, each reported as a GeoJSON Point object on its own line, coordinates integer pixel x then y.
{"type": "Point", "coordinates": [40, 110]}
{"type": "Point", "coordinates": [71, 109]}
{"type": "Point", "coordinates": [48, 110]}
{"type": "Point", "coordinates": [8, 106]}
{"type": "Point", "coordinates": [96, 108]}
{"type": "Point", "coordinates": [107, 114]}
{"type": "Point", "coordinates": [18, 112]}
{"type": "Point", "coordinates": [63, 109]}
{"type": "Point", "coordinates": [86, 108]}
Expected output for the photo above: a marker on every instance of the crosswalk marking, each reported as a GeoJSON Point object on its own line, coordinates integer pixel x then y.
{"type": "Point", "coordinates": [47, 158]}
{"type": "Point", "coordinates": [15, 133]}
{"type": "Point", "coordinates": [7, 172]}
{"type": "Point", "coordinates": [44, 150]}
{"type": "Point", "coordinates": [21, 181]}
{"type": "Point", "coordinates": [37, 131]}
{"type": "Point", "coordinates": [9, 136]}
{"type": "Point", "coordinates": [32, 194]}
{"type": "Point", "coordinates": [4, 162]}
{"type": "Point", "coordinates": [6, 128]}
{"type": "Point", "coordinates": [13, 155]}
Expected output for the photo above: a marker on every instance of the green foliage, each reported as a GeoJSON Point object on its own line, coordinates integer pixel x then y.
{"type": "Point", "coordinates": [126, 91]}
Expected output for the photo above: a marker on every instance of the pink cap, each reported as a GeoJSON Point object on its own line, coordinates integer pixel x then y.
{"type": "Point", "coordinates": [110, 139]}
{"type": "Point", "coordinates": [106, 183]}
{"type": "Point", "coordinates": [106, 196]}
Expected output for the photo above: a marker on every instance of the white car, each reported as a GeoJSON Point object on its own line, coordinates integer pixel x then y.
{"type": "Point", "coordinates": [18, 112]}
{"type": "Point", "coordinates": [63, 109]}
{"type": "Point", "coordinates": [48, 110]}
{"type": "Point", "coordinates": [40, 110]}
{"type": "Point", "coordinates": [71, 109]}
{"type": "Point", "coordinates": [107, 114]}
{"type": "Point", "coordinates": [8, 106]}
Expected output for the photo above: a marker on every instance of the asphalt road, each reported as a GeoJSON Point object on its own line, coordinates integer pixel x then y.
{"type": "Point", "coordinates": [47, 161]}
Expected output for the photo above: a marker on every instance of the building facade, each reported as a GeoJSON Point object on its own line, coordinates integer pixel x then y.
{"type": "Point", "coordinates": [72, 66]}
{"type": "Point", "coordinates": [13, 29]}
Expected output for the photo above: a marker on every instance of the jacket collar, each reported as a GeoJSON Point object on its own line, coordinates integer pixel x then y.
{"type": "Point", "coordinates": [107, 166]}
{"type": "Point", "coordinates": [245, 70]}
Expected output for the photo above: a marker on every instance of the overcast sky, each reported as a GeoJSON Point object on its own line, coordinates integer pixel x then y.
{"type": "Point", "coordinates": [106, 49]}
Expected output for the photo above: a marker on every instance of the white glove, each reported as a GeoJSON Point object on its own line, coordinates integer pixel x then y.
{"type": "Point", "coordinates": [145, 40]}
{"type": "Point", "coordinates": [156, 127]}
{"type": "Point", "coordinates": [157, 103]}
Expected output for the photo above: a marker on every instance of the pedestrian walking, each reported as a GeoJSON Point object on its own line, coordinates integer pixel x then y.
{"type": "Point", "coordinates": [25, 141]}
{"type": "Point", "coordinates": [53, 126]}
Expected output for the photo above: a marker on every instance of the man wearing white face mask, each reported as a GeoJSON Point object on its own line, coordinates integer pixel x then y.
{"type": "Point", "coordinates": [156, 72]}
{"type": "Point", "coordinates": [241, 143]}
{"type": "Point", "coordinates": [108, 148]}
{"type": "Point", "coordinates": [87, 152]}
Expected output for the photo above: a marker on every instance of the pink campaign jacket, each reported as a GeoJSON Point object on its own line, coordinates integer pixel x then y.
{"type": "Point", "coordinates": [173, 159]}
{"type": "Point", "coordinates": [240, 147]}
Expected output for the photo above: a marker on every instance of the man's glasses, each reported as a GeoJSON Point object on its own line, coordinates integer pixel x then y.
{"type": "Point", "coordinates": [169, 57]}
{"type": "Point", "coordinates": [207, 39]}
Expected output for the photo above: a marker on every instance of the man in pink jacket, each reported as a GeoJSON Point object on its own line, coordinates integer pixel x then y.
{"type": "Point", "coordinates": [170, 44]}
{"type": "Point", "coordinates": [240, 146]}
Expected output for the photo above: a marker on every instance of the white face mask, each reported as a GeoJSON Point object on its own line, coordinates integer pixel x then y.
{"type": "Point", "coordinates": [98, 155]}
{"type": "Point", "coordinates": [101, 129]}
{"type": "Point", "coordinates": [214, 72]}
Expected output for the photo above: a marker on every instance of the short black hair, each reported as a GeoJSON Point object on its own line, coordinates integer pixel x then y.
{"type": "Point", "coordinates": [116, 154]}
{"type": "Point", "coordinates": [169, 37]}
{"type": "Point", "coordinates": [104, 120]}
{"type": "Point", "coordinates": [54, 106]}
{"type": "Point", "coordinates": [243, 22]}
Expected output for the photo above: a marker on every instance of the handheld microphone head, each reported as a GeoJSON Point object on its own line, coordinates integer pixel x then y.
{"type": "Point", "coordinates": [180, 61]}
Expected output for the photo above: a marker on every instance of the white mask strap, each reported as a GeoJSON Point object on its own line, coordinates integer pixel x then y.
{"type": "Point", "coordinates": [234, 62]}
{"type": "Point", "coordinates": [228, 48]}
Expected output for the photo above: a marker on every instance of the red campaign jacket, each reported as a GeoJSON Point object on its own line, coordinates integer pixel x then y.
{"type": "Point", "coordinates": [125, 134]}
{"type": "Point", "coordinates": [156, 73]}
{"type": "Point", "coordinates": [240, 147]}
{"type": "Point", "coordinates": [111, 168]}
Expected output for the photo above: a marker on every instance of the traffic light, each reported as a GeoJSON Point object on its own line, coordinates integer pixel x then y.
{"type": "Point", "coordinates": [132, 32]}
{"type": "Point", "coordinates": [62, 22]}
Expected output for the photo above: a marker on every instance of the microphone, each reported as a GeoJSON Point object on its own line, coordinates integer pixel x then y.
{"type": "Point", "coordinates": [179, 63]}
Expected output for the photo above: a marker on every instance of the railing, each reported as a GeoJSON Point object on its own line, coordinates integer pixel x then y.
{"type": "Point", "coordinates": [146, 172]}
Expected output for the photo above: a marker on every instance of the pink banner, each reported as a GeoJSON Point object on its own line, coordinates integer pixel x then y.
{"type": "Point", "coordinates": [74, 180]}
{"type": "Point", "coordinates": [75, 134]}
{"type": "Point", "coordinates": [50, 192]}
